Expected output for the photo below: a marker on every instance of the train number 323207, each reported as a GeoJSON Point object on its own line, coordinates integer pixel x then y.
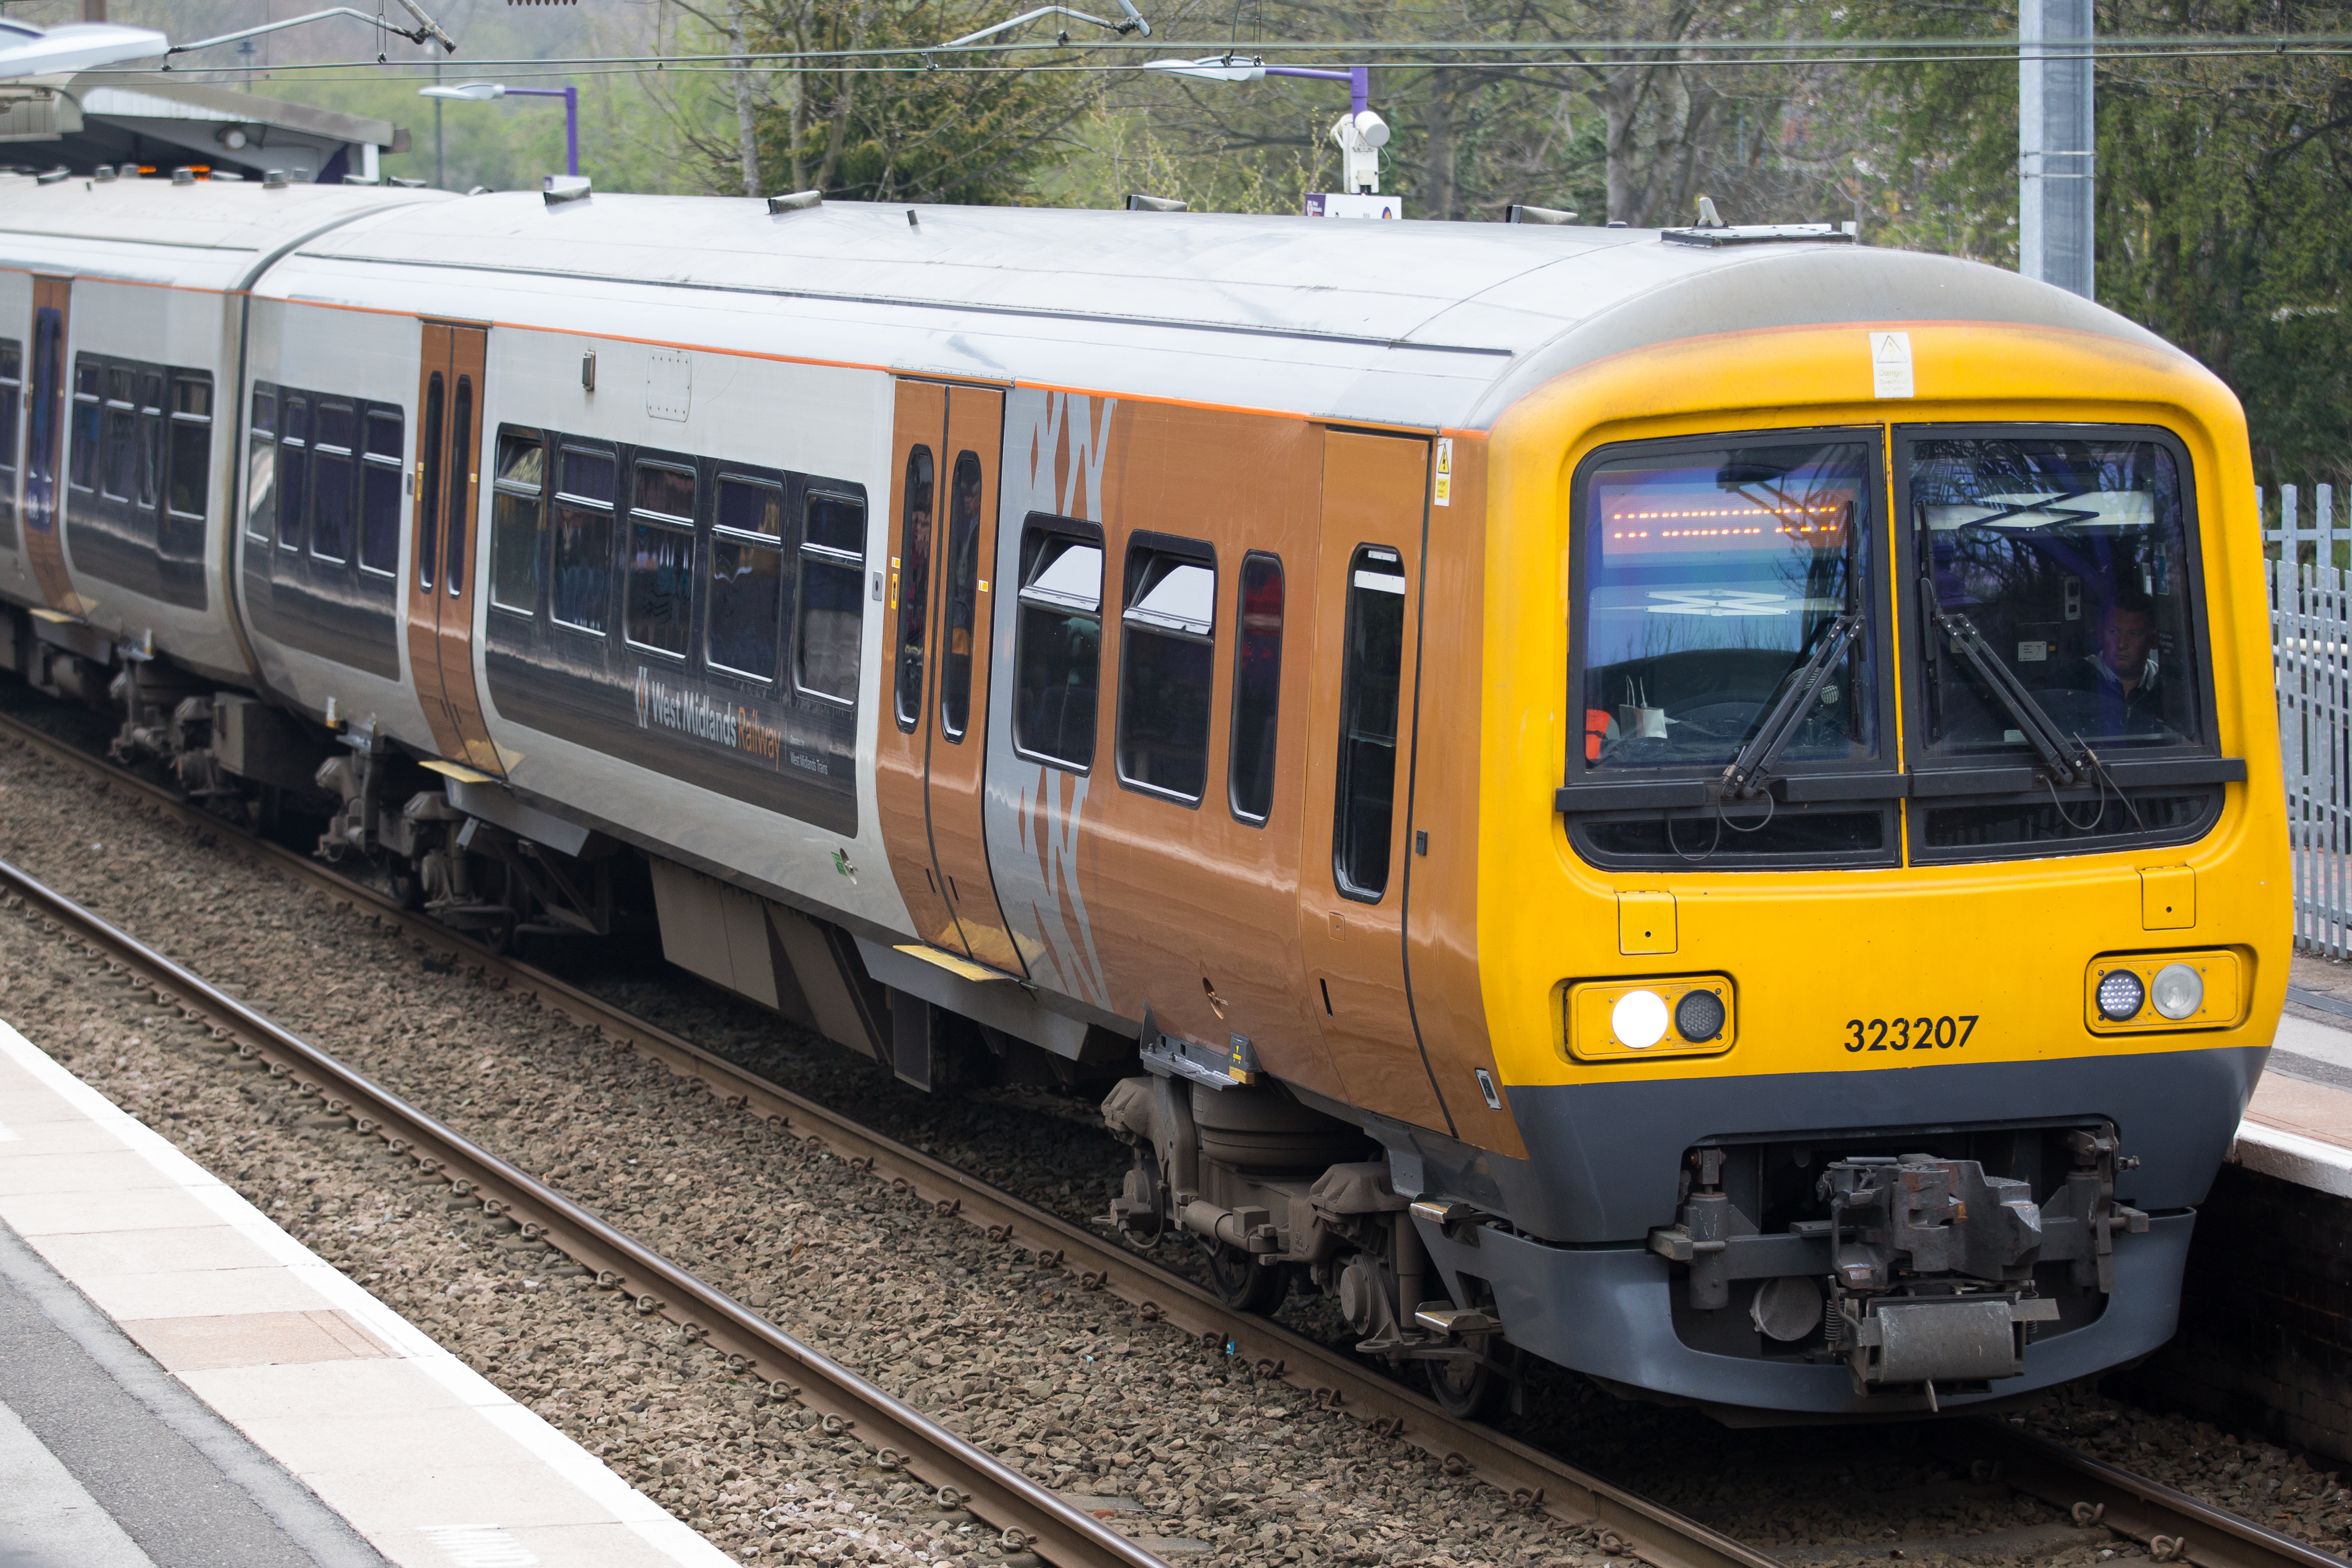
{"type": "Point", "coordinates": [1919, 1034]}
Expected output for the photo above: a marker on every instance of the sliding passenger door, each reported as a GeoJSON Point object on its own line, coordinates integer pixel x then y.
{"type": "Point", "coordinates": [45, 432]}
{"type": "Point", "coordinates": [1353, 865]}
{"type": "Point", "coordinates": [441, 589]}
{"type": "Point", "coordinates": [933, 745]}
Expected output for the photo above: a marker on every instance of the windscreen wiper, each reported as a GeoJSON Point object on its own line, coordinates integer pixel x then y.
{"type": "Point", "coordinates": [2067, 758]}
{"type": "Point", "coordinates": [1752, 767]}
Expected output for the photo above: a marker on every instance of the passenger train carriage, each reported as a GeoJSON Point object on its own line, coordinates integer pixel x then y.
{"type": "Point", "coordinates": [1698, 804]}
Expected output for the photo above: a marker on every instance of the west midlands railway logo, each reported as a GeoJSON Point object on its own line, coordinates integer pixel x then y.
{"type": "Point", "coordinates": [738, 729]}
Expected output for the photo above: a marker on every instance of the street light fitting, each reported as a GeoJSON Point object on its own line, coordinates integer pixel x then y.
{"type": "Point", "coordinates": [1211, 67]}
{"type": "Point", "coordinates": [472, 91]}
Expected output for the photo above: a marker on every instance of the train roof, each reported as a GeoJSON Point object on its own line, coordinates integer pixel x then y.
{"type": "Point", "coordinates": [1419, 323]}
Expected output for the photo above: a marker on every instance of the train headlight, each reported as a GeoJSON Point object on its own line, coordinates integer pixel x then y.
{"type": "Point", "coordinates": [2121, 995]}
{"type": "Point", "coordinates": [2178, 991]}
{"type": "Point", "coordinates": [1698, 1016]}
{"type": "Point", "coordinates": [1639, 1019]}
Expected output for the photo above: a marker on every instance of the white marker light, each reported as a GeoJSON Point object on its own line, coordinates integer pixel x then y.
{"type": "Point", "coordinates": [2178, 992]}
{"type": "Point", "coordinates": [1639, 1019]}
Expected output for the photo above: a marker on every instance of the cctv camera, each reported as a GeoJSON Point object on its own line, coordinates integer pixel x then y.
{"type": "Point", "coordinates": [1372, 128]}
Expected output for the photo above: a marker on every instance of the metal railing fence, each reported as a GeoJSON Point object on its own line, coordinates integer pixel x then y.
{"type": "Point", "coordinates": [2311, 642]}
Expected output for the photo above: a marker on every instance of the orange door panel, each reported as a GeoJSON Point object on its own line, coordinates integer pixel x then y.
{"type": "Point", "coordinates": [440, 599]}
{"type": "Point", "coordinates": [1359, 772]}
{"type": "Point", "coordinates": [958, 722]}
{"type": "Point", "coordinates": [50, 398]}
{"type": "Point", "coordinates": [904, 731]}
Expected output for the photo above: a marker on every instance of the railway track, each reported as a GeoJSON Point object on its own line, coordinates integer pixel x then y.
{"type": "Point", "coordinates": [2095, 1495]}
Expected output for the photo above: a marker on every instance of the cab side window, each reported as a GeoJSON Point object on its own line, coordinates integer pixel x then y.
{"type": "Point", "coordinates": [1057, 641]}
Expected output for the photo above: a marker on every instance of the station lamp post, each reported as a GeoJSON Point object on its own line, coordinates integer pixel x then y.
{"type": "Point", "coordinates": [483, 92]}
{"type": "Point", "coordinates": [1360, 133]}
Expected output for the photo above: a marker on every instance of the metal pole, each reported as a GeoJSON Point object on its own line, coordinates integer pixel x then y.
{"type": "Point", "coordinates": [440, 178]}
{"type": "Point", "coordinates": [2056, 143]}
{"type": "Point", "coordinates": [572, 130]}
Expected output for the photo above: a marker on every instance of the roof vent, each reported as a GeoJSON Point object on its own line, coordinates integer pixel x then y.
{"type": "Point", "coordinates": [558, 188]}
{"type": "Point", "coordinates": [1756, 233]}
{"type": "Point", "coordinates": [103, 173]}
{"type": "Point", "coordinates": [1137, 202]}
{"type": "Point", "coordinates": [273, 180]}
{"type": "Point", "coordinates": [1538, 214]}
{"type": "Point", "coordinates": [183, 175]}
{"type": "Point", "coordinates": [798, 201]}
{"type": "Point", "coordinates": [53, 177]}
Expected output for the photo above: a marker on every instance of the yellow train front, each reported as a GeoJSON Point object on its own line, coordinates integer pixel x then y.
{"type": "Point", "coordinates": [1882, 939]}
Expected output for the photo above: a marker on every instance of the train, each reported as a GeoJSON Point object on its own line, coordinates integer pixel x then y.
{"type": "Point", "coordinates": [1698, 804]}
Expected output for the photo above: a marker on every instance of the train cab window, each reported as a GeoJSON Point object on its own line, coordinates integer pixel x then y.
{"type": "Point", "coordinates": [118, 472]}
{"type": "Point", "coordinates": [88, 412]}
{"type": "Point", "coordinates": [910, 586]}
{"type": "Point", "coordinates": [1369, 680]}
{"type": "Point", "coordinates": [831, 609]}
{"type": "Point", "coordinates": [580, 572]}
{"type": "Point", "coordinates": [12, 398]}
{"type": "Point", "coordinates": [379, 492]}
{"type": "Point", "coordinates": [962, 605]}
{"type": "Point", "coordinates": [747, 577]}
{"type": "Point", "coordinates": [1057, 642]}
{"type": "Point", "coordinates": [293, 470]}
{"type": "Point", "coordinates": [190, 455]}
{"type": "Point", "coordinates": [1167, 666]}
{"type": "Point", "coordinates": [261, 464]}
{"type": "Point", "coordinates": [333, 477]}
{"type": "Point", "coordinates": [151, 440]}
{"type": "Point", "coordinates": [660, 588]}
{"type": "Point", "coordinates": [518, 519]}
{"type": "Point", "coordinates": [1258, 688]}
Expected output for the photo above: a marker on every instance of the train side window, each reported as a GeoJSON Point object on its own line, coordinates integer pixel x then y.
{"type": "Point", "coordinates": [1258, 688]}
{"type": "Point", "coordinates": [261, 463]}
{"type": "Point", "coordinates": [150, 439]}
{"type": "Point", "coordinates": [293, 471]}
{"type": "Point", "coordinates": [379, 492]}
{"type": "Point", "coordinates": [1167, 666]}
{"type": "Point", "coordinates": [1374, 668]}
{"type": "Point", "coordinates": [1057, 646]}
{"type": "Point", "coordinates": [333, 477]}
{"type": "Point", "coordinates": [832, 616]}
{"type": "Point", "coordinates": [429, 485]}
{"type": "Point", "coordinates": [581, 540]}
{"type": "Point", "coordinates": [89, 399]}
{"type": "Point", "coordinates": [118, 475]}
{"type": "Point", "coordinates": [962, 595]}
{"type": "Point", "coordinates": [461, 484]}
{"type": "Point", "coordinates": [190, 455]}
{"type": "Point", "coordinates": [659, 593]}
{"type": "Point", "coordinates": [518, 519]}
{"type": "Point", "coordinates": [12, 395]}
{"type": "Point", "coordinates": [747, 577]}
{"type": "Point", "coordinates": [910, 586]}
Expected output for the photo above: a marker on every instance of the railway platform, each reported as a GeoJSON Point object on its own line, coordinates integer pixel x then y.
{"type": "Point", "coordinates": [183, 1384]}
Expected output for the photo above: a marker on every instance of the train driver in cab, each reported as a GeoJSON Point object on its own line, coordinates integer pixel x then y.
{"type": "Point", "coordinates": [2123, 676]}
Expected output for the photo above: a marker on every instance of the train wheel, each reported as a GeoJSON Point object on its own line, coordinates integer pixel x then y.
{"type": "Point", "coordinates": [1242, 1282]}
{"type": "Point", "coordinates": [1468, 1389]}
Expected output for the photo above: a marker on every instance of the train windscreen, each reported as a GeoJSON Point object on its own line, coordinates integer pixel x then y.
{"type": "Point", "coordinates": [2065, 560]}
{"type": "Point", "coordinates": [1713, 577]}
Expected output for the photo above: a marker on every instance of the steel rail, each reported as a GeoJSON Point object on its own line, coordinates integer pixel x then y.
{"type": "Point", "coordinates": [1621, 1520]}
{"type": "Point", "coordinates": [2176, 1527]}
{"type": "Point", "coordinates": [1057, 1530]}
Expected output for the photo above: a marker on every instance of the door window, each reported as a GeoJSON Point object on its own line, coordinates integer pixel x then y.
{"type": "Point", "coordinates": [41, 420]}
{"type": "Point", "coordinates": [428, 495]}
{"type": "Point", "coordinates": [1058, 643]}
{"type": "Point", "coordinates": [912, 576]}
{"type": "Point", "coordinates": [461, 482]}
{"type": "Point", "coordinates": [1369, 681]}
{"type": "Point", "coordinates": [12, 374]}
{"type": "Point", "coordinates": [832, 611]}
{"type": "Point", "coordinates": [1258, 687]}
{"type": "Point", "coordinates": [1167, 668]}
{"type": "Point", "coordinates": [964, 595]}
